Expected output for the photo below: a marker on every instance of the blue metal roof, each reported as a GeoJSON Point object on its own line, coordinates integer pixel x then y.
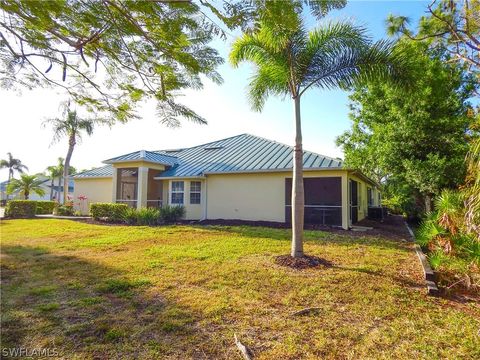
{"type": "Point", "coordinates": [104, 171]}
{"type": "Point", "coordinates": [241, 153]}
{"type": "Point", "coordinates": [144, 155]}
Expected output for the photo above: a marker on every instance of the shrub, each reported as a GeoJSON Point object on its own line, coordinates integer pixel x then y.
{"type": "Point", "coordinates": [108, 211]}
{"type": "Point", "coordinates": [130, 216]}
{"type": "Point", "coordinates": [65, 210]}
{"type": "Point", "coordinates": [148, 216]}
{"type": "Point", "coordinates": [171, 214]}
{"type": "Point", "coordinates": [45, 207]}
{"type": "Point", "coordinates": [437, 258]}
{"type": "Point", "coordinates": [429, 230]}
{"type": "Point", "coordinates": [21, 208]}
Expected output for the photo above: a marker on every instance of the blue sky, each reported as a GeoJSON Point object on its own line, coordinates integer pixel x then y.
{"type": "Point", "coordinates": [324, 113]}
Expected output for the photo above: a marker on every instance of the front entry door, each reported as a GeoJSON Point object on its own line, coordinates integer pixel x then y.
{"type": "Point", "coordinates": [353, 201]}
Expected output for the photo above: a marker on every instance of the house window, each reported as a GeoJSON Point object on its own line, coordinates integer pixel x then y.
{"type": "Point", "coordinates": [195, 192]}
{"type": "Point", "coordinates": [177, 192]}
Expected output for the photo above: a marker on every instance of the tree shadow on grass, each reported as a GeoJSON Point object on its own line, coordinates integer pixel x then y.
{"type": "Point", "coordinates": [337, 237]}
{"type": "Point", "coordinates": [86, 309]}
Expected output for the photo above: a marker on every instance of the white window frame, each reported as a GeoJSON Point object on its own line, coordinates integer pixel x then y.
{"type": "Point", "coordinates": [174, 191]}
{"type": "Point", "coordinates": [199, 192]}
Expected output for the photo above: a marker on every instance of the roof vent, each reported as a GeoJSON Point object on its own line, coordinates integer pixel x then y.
{"type": "Point", "coordinates": [173, 150]}
{"type": "Point", "coordinates": [213, 147]}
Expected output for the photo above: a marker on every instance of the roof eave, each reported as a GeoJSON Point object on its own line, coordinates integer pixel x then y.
{"type": "Point", "coordinates": [272, 170]}
{"type": "Point", "coordinates": [178, 177]}
{"type": "Point", "coordinates": [111, 162]}
{"type": "Point", "coordinates": [91, 177]}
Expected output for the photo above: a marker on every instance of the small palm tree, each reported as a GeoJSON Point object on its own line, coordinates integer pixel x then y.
{"type": "Point", "coordinates": [70, 126]}
{"type": "Point", "coordinates": [290, 60]}
{"type": "Point", "coordinates": [26, 185]}
{"type": "Point", "coordinates": [472, 190]}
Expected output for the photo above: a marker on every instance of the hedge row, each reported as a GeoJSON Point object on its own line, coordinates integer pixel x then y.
{"type": "Point", "coordinates": [108, 211]}
{"type": "Point", "coordinates": [28, 208]}
{"type": "Point", "coordinates": [21, 208]}
{"type": "Point", "coordinates": [45, 207]}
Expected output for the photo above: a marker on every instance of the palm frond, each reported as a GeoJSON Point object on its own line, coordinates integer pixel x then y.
{"type": "Point", "coordinates": [254, 48]}
{"type": "Point", "coordinates": [320, 8]}
{"type": "Point", "coordinates": [267, 81]}
{"type": "Point", "coordinates": [353, 66]}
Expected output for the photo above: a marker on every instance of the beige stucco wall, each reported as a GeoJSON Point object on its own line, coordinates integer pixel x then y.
{"type": "Point", "coordinates": [253, 196]}
{"type": "Point", "coordinates": [95, 189]}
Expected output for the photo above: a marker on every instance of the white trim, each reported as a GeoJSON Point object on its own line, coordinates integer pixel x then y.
{"type": "Point", "coordinates": [321, 206]}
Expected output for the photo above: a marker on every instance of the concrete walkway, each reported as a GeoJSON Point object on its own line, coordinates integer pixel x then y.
{"type": "Point", "coordinates": [50, 216]}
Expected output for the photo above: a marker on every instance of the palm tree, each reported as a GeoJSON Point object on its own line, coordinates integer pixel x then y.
{"type": "Point", "coordinates": [290, 60]}
{"type": "Point", "coordinates": [70, 126]}
{"type": "Point", "coordinates": [12, 165]}
{"type": "Point", "coordinates": [26, 185]}
{"type": "Point", "coordinates": [55, 172]}
{"type": "Point", "coordinates": [472, 189]}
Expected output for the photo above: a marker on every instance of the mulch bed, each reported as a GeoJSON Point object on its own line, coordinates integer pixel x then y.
{"type": "Point", "coordinates": [392, 227]}
{"type": "Point", "coordinates": [304, 262]}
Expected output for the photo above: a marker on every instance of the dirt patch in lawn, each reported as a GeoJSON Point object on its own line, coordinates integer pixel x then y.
{"type": "Point", "coordinates": [304, 262]}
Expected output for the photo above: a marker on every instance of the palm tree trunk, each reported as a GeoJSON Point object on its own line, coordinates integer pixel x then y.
{"type": "Point", "coordinates": [428, 203]}
{"type": "Point", "coordinates": [66, 168]}
{"type": "Point", "coordinates": [52, 184]}
{"type": "Point", "coordinates": [298, 196]}
{"type": "Point", "coordinates": [59, 184]}
{"type": "Point", "coordinates": [10, 175]}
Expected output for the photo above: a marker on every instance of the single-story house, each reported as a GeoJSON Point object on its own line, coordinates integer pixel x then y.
{"type": "Point", "coordinates": [243, 177]}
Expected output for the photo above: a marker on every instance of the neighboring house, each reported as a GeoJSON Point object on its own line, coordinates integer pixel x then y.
{"type": "Point", "coordinates": [46, 186]}
{"type": "Point", "coordinates": [244, 177]}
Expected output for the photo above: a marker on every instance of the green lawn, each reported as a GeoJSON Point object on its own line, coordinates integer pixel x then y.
{"type": "Point", "coordinates": [182, 292]}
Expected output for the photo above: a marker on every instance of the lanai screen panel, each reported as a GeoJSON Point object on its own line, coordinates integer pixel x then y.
{"type": "Point", "coordinates": [323, 200]}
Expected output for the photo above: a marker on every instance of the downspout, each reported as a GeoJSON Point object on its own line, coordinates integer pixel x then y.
{"type": "Point", "coordinates": [205, 207]}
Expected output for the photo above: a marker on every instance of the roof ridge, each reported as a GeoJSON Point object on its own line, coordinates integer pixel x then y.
{"type": "Point", "coordinates": [211, 142]}
{"type": "Point", "coordinates": [255, 136]}
{"type": "Point", "coordinates": [281, 143]}
{"type": "Point", "coordinates": [130, 153]}
{"type": "Point", "coordinates": [157, 152]}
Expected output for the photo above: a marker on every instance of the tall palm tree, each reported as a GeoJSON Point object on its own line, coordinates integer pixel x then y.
{"type": "Point", "coordinates": [26, 185]}
{"type": "Point", "coordinates": [70, 126]}
{"type": "Point", "coordinates": [290, 60]}
{"type": "Point", "coordinates": [12, 165]}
